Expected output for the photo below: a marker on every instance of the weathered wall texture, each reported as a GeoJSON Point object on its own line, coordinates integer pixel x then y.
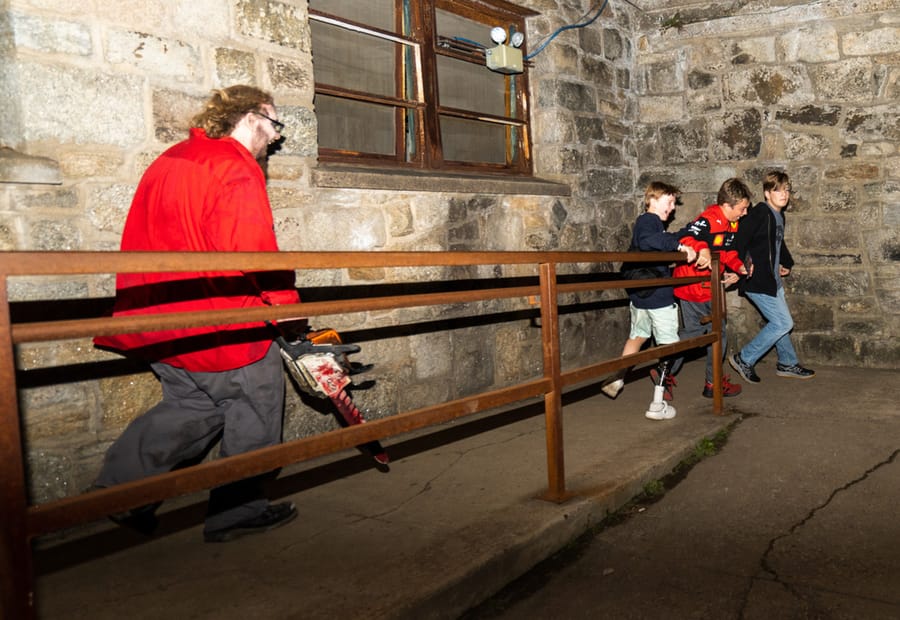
{"type": "Point", "coordinates": [92, 91]}
{"type": "Point", "coordinates": [812, 88]}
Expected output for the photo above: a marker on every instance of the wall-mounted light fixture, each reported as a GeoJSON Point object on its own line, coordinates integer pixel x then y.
{"type": "Point", "coordinates": [505, 58]}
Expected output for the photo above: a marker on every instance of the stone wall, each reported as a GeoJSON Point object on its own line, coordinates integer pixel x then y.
{"type": "Point", "coordinates": [810, 87]}
{"type": "Point", "coordinates": [93, 91]}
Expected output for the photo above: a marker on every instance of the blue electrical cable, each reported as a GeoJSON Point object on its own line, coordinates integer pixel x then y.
{"type": "Point", "coordinates": [470, 42]}
{"type": "Point", "coordinates": [564, 28]}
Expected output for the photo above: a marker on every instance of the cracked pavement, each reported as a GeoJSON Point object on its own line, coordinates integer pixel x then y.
{"type": "Point", "coordinates": [796, 517]}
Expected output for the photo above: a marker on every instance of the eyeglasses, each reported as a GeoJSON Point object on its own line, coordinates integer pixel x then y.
{"type": "Point", "coordinates": [278, 126]}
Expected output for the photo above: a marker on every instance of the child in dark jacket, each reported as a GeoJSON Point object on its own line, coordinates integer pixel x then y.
{"type": "Point", "coordinates": [760, 241]}
{"type": "Point", "coordinates": [653, 310]}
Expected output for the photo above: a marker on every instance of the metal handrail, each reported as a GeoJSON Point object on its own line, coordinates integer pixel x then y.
{"type": "Point", "coordinates": [20, 522]}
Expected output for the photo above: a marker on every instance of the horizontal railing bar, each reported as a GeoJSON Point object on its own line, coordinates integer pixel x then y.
{"type": "Point", "coordinates": [71, 263]}
{"type": "Point", "coordinates": [74, 510]}
{"type": "Point", "coordinates": [44, 331]}
{"type": "Point", "coordinates": [585, 373]}
{"type": "Point", "coordinates": [60, 330]}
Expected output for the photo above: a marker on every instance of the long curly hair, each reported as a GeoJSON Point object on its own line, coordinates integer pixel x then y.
{"type": "Point", "coordinates": [227, 106]}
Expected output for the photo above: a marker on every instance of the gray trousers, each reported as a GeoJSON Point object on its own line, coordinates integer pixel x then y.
{"type": "Point", "coordinates": [244, 406]}
{"type": "Point", "coordinates": [691, 313]}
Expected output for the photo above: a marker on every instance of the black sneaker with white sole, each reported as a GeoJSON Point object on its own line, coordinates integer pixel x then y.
{"type": "Point", "coordinates": [794, 372]}
{"type": "Point", "coordinates": [274, 516]}
{"type": "Point", "coordinates": [744, 369]}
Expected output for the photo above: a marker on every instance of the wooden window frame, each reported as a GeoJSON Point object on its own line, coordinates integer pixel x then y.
{"type": "Point", "coordinates": [424, 47]}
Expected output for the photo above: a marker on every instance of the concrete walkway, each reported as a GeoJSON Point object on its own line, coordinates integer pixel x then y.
{"type": "Point", "coordinates": [795, 518]}
{"type": "Point", "coordinates": [455, 518]}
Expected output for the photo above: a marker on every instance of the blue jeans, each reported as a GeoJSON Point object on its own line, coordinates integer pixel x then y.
{"type": "Point", "coordinates": [776, 333]}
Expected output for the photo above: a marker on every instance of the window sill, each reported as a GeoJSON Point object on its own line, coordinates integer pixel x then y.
{"type": "Point", "coordinates": [413, 180]}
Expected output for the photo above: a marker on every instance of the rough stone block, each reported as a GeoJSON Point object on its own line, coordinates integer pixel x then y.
{"type": "Point", "coordinates": [737, 135]}
{"type": "Point", "coordinates": [852, 172]}
{"type": "Point", "coordinates": [871, 42]}
{"type": "Point", "coordinates": [301, 131]}
{"type": "Point", "coordinates": [753, 51]}
{"type": "Point", "coordinates": [804, 146]}
{"type": "Point", "coordinates": [568, 95]}
{"type": "Point", "coordinates": [81, 106]}
{"type": "Point", "coordinates": [54, 236]}
{"type": "Point", "coordinates": [614, 46]}
{"type": "Point", "coordinates": [599, 72]}
{"type": "Point", "coordinates": [172, 114]}
{"type": "Point", "coordinates": [812, 43]}
{"type": "Point", "coordinates": [684, 142]}
{"type": "Point", "coordinates": [834, 284]}
{"type": "Point", "coordinates": [606, 182]}
{"type": "Point", "coordinates": [562, 58]}
{"type": "Point", "coordinates": [361, 229]}
{"type": "Point", "coordinates": [80, 164]}
{"type": "Point", "coordinates": [108, 206]}
{"type": "Point", "coordinates": [825, 236]}
{"type": "Point", "coordinates": [153, 55]}
{"type": "Point", "coordinates": [662, 73]}
{"type": "Point", "coordinates": [42, 34]}
{"type": "Point", "coordinates": [589, 128]}
{"type": "Point", "coordinates": [124, 398]}
{"type": "Point", "coordinates": [877, 123]}
{"type": "Point", "coordinates": [810, 115]}
{"type": "Point", "coordinates": [880, 352]}
{"type": "Point", "coordinates": [234, 67]}
{"type": "Point", "coordinates": [661, 109]}
{"type": "Point", "coordinates": [16, 167]}
{"type": "Point", "coordinates": [21, 289]}
{"type": "Point", "coordinates": [849, 80]}
{"type": "Point", "coordinates": [766, 85]}
{"type": "Point", "coordinates": [838, 198]}
{"type": "Point", "coordinates": [811, 315]}
{"type": "Point", "coordinates": [274, 22]}
{"type": "Point", "coordinates": [830, 349]}
{"type": "Point", "coordinates": [290, 76]}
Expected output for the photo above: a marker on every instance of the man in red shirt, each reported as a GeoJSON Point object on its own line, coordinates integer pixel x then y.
{"type": "Point", "coordinates": [206, 194]}
{"type": "Point", "coordinates": [713, 230]}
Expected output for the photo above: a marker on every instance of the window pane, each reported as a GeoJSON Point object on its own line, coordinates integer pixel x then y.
{"type": "Point", "coordinates": [377, 13]}
{"type": "Point", "coordinates": [473, 141]}
{"type": "Point", "coordinates": [453, 26]}
{"type": "Point", "coordinates": [472, 87]}
{"type": "Point", "coordinates": [354, 60]}
{"type": "Point", "coordinates": [355, 126]}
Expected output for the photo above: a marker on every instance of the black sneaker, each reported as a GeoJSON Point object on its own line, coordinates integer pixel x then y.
{"type": "Point", "coordinates": [743, 368]}
{"type": "Point", "coordinates": [274, 516]}
{"type": "Point", "coordinates": [142, 520]}
{"type": "Point", "coordinates": [795, 372]}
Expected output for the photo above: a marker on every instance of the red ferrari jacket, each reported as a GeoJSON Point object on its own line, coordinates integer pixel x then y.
{"type": "Point", "coordinates": [201, 195]}
{"type": "Point", "coordinates": [710, 230]}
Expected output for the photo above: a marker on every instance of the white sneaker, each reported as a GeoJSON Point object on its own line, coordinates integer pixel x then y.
{"type": "Point", "coordinates": [660, 411]}
{"type": "Point", "coordinates": [613, 388]}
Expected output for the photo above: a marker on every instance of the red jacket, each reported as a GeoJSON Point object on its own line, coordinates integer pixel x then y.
{"type": "Point", "coordinates": [710, 230]}
{"type": "Point", "coordinates": [201, 195]}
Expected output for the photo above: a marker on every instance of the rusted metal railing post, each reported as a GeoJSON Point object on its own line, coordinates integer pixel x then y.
{"type": "Point", "coordinates": [16, 576]}
{"type": "Point", "coordinates": [718, 328]}
{"type": "Point", "coordinates": [556, 470]}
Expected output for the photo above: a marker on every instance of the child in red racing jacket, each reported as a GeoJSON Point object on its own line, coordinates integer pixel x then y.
{"type": "Point", "coordinates": [713, 230]}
